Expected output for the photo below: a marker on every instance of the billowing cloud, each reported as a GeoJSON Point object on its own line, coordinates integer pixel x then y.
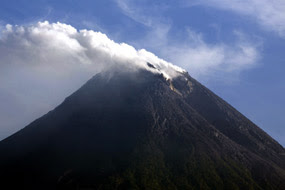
{"type": "Point", "coordinates": [59, 46]}
{"type": "Point", "coordinates": [270, 14]}
{"type": "Point", "coordinates": [41, 64]}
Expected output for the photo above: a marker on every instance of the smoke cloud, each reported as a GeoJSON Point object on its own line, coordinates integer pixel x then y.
{"type": "Point", "coordinates": [41, 64]}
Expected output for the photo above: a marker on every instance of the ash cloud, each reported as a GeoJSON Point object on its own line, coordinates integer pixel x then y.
{"type": "Point", "coordinates": [43, 63]}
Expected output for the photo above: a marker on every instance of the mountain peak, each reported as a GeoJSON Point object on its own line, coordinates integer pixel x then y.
{"type": "Point", "coordinates": [141, 130]}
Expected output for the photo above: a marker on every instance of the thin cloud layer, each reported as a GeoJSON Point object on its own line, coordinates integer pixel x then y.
{"type": "Point", "coordinates": [208, 61]}
{"type": "Point", "coordinates": [204, 61]}
{"type": "Point", "coordinates": [134, 13]}
{"type": "Point", "coordinates": [270, 14]}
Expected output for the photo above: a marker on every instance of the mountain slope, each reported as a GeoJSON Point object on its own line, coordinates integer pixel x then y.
{"type": "Point", "coordinates": [139, 130]}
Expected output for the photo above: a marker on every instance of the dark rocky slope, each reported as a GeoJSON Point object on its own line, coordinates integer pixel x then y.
{"type": "Point", "coordinates": [137, 130]}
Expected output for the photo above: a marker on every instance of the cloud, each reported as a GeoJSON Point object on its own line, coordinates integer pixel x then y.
{"type": "Point", "coordinates": [43, 63]}
{"type": "Point", "coordinates": [133, 12]}
{"type": "Point", "coordinates": [270, 14]}
{"type": "Point", "coordinates": [211, 61]}
{"type": "Point", "coordinates": [133, 9]}
{"type": "Point", "coordinates": [59, 47]}
{"type": "Point", "coordinates": [204, 61]}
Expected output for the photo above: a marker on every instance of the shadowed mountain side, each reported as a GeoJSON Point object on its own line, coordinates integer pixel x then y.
{"type": "Point", "coordinates": [137, 130]}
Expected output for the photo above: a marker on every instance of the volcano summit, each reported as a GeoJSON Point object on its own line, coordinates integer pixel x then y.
{"type": "Point", "coordinates": [140, 129]}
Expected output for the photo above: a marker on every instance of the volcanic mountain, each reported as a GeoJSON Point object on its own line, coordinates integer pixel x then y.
{"type": "Point", "coordinates": [140, 129]}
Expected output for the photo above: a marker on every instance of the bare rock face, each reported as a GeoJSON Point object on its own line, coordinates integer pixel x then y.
{"type": "Point", "coordinates": [139, 130]}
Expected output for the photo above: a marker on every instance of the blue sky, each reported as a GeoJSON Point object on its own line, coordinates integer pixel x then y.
{"type": "Point", "coordinates": [235, 48]}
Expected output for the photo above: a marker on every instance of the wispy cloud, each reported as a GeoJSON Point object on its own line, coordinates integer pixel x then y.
{"type": "Point", "coordinates": [148, 17]}
{"type": "Point", "coordinates": [270, 14]}
{"type": "Point", "coordinates": [133, 12]}
{"type": "Point", "coordinates": [203, 60]}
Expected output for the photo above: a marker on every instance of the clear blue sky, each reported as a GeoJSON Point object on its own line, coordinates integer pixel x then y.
{"type": "Point", "coordinates": [235, 48]}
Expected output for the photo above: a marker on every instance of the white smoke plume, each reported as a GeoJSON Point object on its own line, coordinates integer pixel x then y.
{"type": "Point", "coordinates": [43, 63]}
{"type": "Point", "coordinates": [59, 46]}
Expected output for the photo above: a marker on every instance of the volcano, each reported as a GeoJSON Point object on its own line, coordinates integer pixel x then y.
{"type": "Point", "coordinates": [141, 130]}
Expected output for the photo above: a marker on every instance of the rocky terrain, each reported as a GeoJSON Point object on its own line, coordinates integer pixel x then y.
{"type": "Point", "coordinates": [141, 130]}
